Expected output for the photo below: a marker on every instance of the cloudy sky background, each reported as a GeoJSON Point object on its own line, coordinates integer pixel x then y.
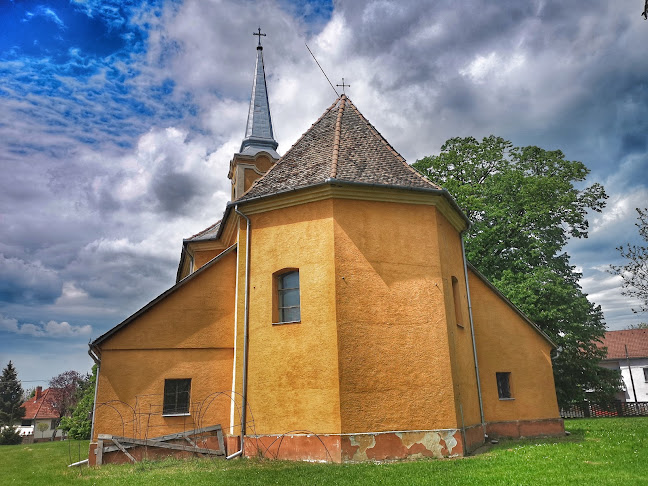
{"type": "Point", "coordinates": [117, 124]}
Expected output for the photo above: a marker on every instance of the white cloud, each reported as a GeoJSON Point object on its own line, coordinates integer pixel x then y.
{"type": "Point", "coordinates": [492, 66]}
{"type": "Point", "coordinates": [619, 217]}
{"type": "Point", "coordinates": [51, 329]}
{"type": "Point", "coordinates": [47, 13]}
{"type": "Point", "coordinates": [71, 294]}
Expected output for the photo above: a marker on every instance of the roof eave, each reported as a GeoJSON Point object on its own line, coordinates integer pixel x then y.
{"type": "Point", "coordinates": [332, 181]}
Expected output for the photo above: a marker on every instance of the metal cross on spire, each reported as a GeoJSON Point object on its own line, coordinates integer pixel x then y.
{"type": "Point", "coordinates": [343, 85]}
{"type": "Point", "coordinates": [260, 34]}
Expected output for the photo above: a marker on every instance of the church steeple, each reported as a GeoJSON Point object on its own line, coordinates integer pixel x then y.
{"type": "Point", "coordinates": [258, 131]}
{"type": "Point", "coordinates": [259, 148]}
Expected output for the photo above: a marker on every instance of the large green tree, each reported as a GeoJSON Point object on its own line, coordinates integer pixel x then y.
{"type": "Point", "coordinates": [11, 409]}
{"type": "Point", "coordinates": [525, 204]}
{"type": "Point", "coordinates": [635, 272]}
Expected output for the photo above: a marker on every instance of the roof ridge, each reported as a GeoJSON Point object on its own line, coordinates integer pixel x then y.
{"type": "Point", "coordinates": [627, 330]}
{"type": "Point", "coordinates": [41, 403]}
{"type": "Point", "coordinates": [336, 138]}
{"type": "Point", "coordinates": [291, 147]}
{"type": "Point", "coordinates": [205, 230]}
{"type": "Point", "coordinates": [379, 136]}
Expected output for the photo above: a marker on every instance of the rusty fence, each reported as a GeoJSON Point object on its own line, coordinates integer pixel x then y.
{"type": "Point", "coordinates": [597, 410]}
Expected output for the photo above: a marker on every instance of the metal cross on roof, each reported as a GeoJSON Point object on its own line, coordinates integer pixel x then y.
{"type": "Point", "coordinates": [343, 85]}
{"type": "Point", "coordinates": [260, 34]}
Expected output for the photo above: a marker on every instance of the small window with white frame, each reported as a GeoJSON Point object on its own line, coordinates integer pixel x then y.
{"type": "Point", "coordinates": [645, 370]}
{"type": "Point", "coordinates": [287, 297]}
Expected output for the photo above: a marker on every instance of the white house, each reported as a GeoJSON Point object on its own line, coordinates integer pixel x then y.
{"type": "Point", "coordinates": [41, 416]}
{"type": "Point", "coordinates": [628, 352]}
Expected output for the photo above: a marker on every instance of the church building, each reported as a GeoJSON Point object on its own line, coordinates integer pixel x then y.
{"type": "Point", "coordinates": [330, 315]}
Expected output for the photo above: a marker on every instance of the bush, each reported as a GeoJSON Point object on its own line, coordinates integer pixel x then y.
{"type": "Point", "coordinates": [78, 425]}
{"type": "Point", "coordinates": [10, 436]}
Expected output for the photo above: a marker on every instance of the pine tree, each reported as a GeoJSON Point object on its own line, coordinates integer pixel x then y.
{"type": "Point", "coordinates": [11, 410]}
{"type": "Point", "coordinates": [11, 394]}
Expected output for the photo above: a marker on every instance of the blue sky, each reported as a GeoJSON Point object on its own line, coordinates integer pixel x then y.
{"type": "Point", "coordinates": [118, 121]}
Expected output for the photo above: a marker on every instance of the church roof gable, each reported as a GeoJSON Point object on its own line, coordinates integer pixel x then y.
{"type": "Point", "coordinates": [342, 145]}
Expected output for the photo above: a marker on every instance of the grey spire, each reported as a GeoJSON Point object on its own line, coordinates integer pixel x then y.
{"type": "Point", "coordinates": [258, 131]}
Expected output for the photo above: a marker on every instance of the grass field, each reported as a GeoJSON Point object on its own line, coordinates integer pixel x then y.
{"type": "Point", "coordinates": [598, 451]}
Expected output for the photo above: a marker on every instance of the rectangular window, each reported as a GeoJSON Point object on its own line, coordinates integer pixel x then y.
{"type": "Point", "coordinates": [288, 296]}
{"type": "Point", "coordinates": [646, 375]}
{"type": "Point", "coordinates": [503, 384]}
{"type": "Point", "coordinates": [176, 397]}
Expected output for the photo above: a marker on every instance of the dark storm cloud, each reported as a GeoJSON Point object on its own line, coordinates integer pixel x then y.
{"type": "Point", "coordinates": [27, 282]}
{"type": "Point", "coordinates": [116, 273]}
{"type": "Point", "coordinates": [175, 191]}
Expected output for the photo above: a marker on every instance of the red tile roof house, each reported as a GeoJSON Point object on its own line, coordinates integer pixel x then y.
{"type": "Point", "coordinates": [627, 351]}
{"type": "Point", "coordinates": [41, 409]}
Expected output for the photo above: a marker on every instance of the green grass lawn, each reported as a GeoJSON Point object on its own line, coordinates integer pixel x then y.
{"type": "Point", "coordinates": [598, 451]}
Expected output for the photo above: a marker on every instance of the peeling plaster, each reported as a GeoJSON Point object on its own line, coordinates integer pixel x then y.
{"type": "Point", "coordinates": [363, 442]}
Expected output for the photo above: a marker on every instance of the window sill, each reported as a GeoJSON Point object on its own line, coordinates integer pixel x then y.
{"type": "Point", "coordinates": [507, 399]}
{"type": "Point", "coordinates": [288, 322]}
{"type": "Point", "coordinates": [176, 414]}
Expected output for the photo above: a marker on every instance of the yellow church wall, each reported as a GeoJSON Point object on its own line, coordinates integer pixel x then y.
{"type": "Point", "coordinates": [293, 376]}
{"type": "Point", "coordinates": [458, 324]}
{"type": "Point", "coordinates": [186, 334]}
{"type": "Point", "coordinates": [394, 361]}
{"type": "Point", "coordinates": [201, 257]}
{"type": "Point", "coordinates": [131, 387]}
{"type": "Point", "coordinates": [507, 343]}
{"type": "Point", "coordinates": [198, 314]}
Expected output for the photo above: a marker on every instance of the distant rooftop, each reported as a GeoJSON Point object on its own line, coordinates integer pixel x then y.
{"type": "Point", "coordinates": [635, 339]}
{"type": "Point", "coordinates": [42, 405]}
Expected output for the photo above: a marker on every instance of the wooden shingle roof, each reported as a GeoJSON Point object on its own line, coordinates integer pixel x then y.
{"type": "Point", "coordinates": [341, 145]}
{"type": "Point", "coordinates": [208, 233]}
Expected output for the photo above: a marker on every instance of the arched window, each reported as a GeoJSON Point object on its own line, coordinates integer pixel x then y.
{"type": "Point", "coordinates": [287, 284]}
{"type": "Point", "coordinates": [456, 299]}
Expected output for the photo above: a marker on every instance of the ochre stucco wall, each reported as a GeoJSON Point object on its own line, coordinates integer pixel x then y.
{"type": "Point", "coordinates": [460, 339]}
{"type": "Point", "coordinates": [131, 387]}
{"type": "Point", "coordinates": [198, 314]}
{"type": "Point", "coordinates": [394, 361]}
{"type": "Point", "coordinates": [293, 376]}
{"type": "Point", "coordinates": [188, 334]}
{"type": "Point", "coordinates": [201, 257]}
{"type": "Point", "coordinates": [507, 343]}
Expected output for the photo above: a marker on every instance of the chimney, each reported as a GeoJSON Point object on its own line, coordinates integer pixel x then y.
{"type": "Point", "coordinates": [39, 392]}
